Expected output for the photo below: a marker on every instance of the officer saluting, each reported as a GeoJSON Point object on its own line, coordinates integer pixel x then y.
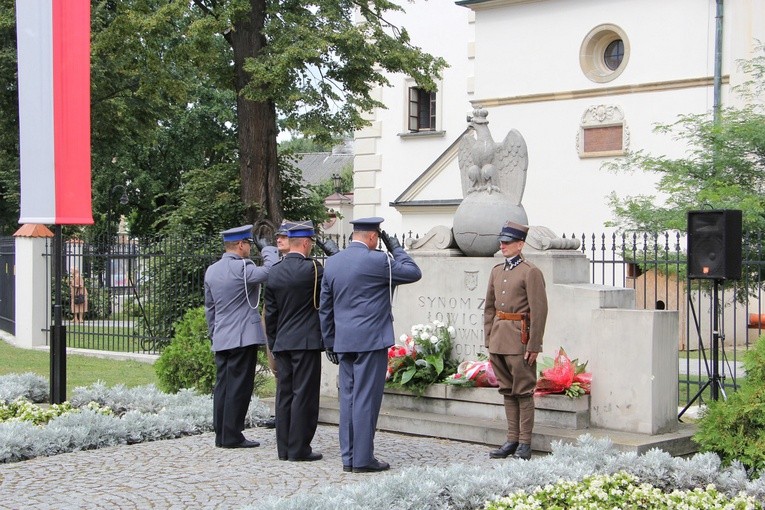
{"type": "Point", "coordinates": [232, 290]}
{"type": "Point", "coordinates": [294, 337]}
{"type": "Point", "coordinates": [357, 325]}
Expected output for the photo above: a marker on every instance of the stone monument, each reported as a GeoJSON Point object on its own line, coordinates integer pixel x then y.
{"type": "Point", "coordinates": [632, 354]}
{"type": "Point", "coordinates": [592, 322]}
{"type": "Point", "coordinates": [493, 179]}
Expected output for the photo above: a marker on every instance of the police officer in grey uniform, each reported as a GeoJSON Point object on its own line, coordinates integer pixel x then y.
{"type": "Point", "coordinates": [232, 290]}
{"type": "Point", "coordinates": [357, 326]}
{"type": "Point", "coordinates": [515, 313]}
{"type": "Point", "coordinates": [294, 336]}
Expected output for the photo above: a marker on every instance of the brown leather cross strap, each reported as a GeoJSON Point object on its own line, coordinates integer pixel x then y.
{"type": "Point", "coordinates": [507, 316]}
{"type": "Point", "coordinates": [523, 317]}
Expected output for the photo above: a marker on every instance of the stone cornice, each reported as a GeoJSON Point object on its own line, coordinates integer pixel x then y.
{"type": "Point", "coordinates": [488, 4]}
{"type": "Point", "coordinates": [639, 88]}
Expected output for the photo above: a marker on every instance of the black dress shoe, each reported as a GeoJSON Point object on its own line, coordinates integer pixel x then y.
{"type": "Point", "coordinates": [503, 451]}
{"type": "Point", "coordinates": [347, 469]}
{"type": "Point", "coordinates": [268, 423]}
{"type": "Point", "coordinates": [374, 467]}
{"type": "Point", "coordinates": [523, 452]}
{"type": "Point", "coordinates": [309, 458]}
{"type": "Point", "coordinates": [244, 444]}
{"type": "Point", "coordinates": [282, 457]}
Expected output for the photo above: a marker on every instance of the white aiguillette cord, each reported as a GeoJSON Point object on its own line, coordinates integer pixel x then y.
{"type": "Point", "coordinates": [315, 285]}
{"type": "Point", "coordinates": [246, 292]}
{"type": "Point", "coordinates": [390, 278]}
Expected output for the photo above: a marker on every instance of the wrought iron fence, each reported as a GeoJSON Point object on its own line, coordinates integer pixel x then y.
{"type": "Point", "coordinates": [8, 284]}
{"type": "Point", "coordinates": [138, 288]}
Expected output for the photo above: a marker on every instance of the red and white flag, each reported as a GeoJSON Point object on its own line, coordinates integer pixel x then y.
{"type": "Point", "coordinates": [53, 38]}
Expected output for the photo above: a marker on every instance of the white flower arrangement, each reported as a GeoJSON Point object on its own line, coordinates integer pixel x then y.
{"type": "Point", "coordinates": [422, 358]}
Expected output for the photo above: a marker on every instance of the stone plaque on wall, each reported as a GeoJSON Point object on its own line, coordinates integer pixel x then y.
{"type": "Point", "coordinates": [452, 290]}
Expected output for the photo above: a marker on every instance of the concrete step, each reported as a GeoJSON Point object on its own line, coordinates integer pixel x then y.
{"type": "Point", "coordinates": [492, 432]}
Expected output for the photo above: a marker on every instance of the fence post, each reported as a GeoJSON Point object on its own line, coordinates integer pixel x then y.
{"type": "Point", "coordinates": [32, 283]}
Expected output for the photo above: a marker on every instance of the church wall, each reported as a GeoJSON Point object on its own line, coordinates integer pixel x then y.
{"type": "Point", "coordinates": [534, 47]}
{"type": "Point", "coordinates": [521, 62]}
{"type": "Point", "coordinates": [442, 29]}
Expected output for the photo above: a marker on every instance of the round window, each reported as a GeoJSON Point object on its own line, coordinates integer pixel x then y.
{"type": "Point", "coordinates": [614, 54]}
{"type": "Point", "coordinates": [604, 53]}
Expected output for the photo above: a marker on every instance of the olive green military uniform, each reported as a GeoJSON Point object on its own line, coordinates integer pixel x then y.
{"type": "Point", "coordinates": [515, 290]}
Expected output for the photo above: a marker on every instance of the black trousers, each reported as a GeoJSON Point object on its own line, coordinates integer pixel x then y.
{"type": "Point", "coordinates": [297, 401]}
{"type": "Point", "coordinates": [234, 382]}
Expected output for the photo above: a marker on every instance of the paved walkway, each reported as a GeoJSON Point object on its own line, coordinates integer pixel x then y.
{"type": "Point", "coordinates": [190, 473]}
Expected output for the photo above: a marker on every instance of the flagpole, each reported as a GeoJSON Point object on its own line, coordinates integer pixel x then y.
{"type": "Point", "coordinates": [58, 343]}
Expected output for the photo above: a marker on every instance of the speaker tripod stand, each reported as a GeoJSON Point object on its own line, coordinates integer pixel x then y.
{"type": "Point", "coordinates": [714, 382]}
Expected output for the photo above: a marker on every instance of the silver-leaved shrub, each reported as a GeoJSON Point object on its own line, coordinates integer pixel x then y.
{"type": "Point", "coordinates": [29, 386]}
{"type": "Point", "coordinates": [463, 487]}
{"type": "Point", "coordinates": [137, 415]}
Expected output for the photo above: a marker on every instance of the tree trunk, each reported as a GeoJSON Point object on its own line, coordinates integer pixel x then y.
{"type": "Point", "coordinates": [258, 162]}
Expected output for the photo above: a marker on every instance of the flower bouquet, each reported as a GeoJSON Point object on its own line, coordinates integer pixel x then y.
{"type": "Point", "coordinates": [421, 358]}
{"type": "Point", "coordinates": [474, 373]}
{"type": "Point", "coordinates": [562, 375]}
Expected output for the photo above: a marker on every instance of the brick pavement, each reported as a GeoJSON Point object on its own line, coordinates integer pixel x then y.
{"type": "Point", "coordinates": [190, 473]}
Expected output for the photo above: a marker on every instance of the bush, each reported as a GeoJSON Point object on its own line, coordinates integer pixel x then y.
{"type": "Point", "coordinates": [735, 428]}
{"type": "Point", "coordinates": [188, 361]}
{"type": "Point", "coordinates": [465, 486]}
{"type": "Point", "coordinates": [98, 416]}
{"type": "Point", "coordinates": [618, 490]}
{"type": "Point", "coordinates": [29, 386]}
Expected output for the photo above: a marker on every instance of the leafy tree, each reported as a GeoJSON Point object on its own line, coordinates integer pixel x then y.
{"type": "Point", "coordinates": [249, 67]}
{"type": "Point", "coordinates": [156, 114]}
{"type": "Point", "coordinates": [308, 67]}
{"type": "Point", "coordinates": [724, 167]}
{"type": "Point", "coordinates": [9, 121]}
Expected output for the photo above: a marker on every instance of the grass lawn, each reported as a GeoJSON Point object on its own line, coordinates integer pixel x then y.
{"type": "Point", "coordinates": [85, 370]}
{"type": "Point", "coordinates": [80, 370]}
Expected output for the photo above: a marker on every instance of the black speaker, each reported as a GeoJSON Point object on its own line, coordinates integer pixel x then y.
{"type": "Point", "coordinates": [714, 244]}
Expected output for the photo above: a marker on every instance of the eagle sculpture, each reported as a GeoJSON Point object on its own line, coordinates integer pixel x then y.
{"type": "Point", "coordinates": [487, 166]}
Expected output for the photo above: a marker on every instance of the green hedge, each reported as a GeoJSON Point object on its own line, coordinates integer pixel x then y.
{"type": "Point", "coordinates": [188, 361]}
{"type": "Point", "coordinates": [735, 428]}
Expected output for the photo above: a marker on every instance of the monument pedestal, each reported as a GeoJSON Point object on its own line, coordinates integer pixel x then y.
{"type": "Point", "coordinates": [557, 411]}
{"type": "Point", "coordinates": [433, 415]}
{"type": "Point", "coordinates": [632, 354]}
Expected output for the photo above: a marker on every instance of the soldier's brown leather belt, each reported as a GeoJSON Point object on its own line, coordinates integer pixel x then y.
{"type": "Point", "coordinates": [523, 317]}
{"type": "Point", "coordinates": [507, 316]}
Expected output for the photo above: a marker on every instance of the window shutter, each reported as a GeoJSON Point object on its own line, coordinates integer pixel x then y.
{"type": "Point", "coordinates": [413, 109]}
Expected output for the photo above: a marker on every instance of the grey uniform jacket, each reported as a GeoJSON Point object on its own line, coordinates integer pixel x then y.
{"type": "Point", "coordinates": [231, 319]}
